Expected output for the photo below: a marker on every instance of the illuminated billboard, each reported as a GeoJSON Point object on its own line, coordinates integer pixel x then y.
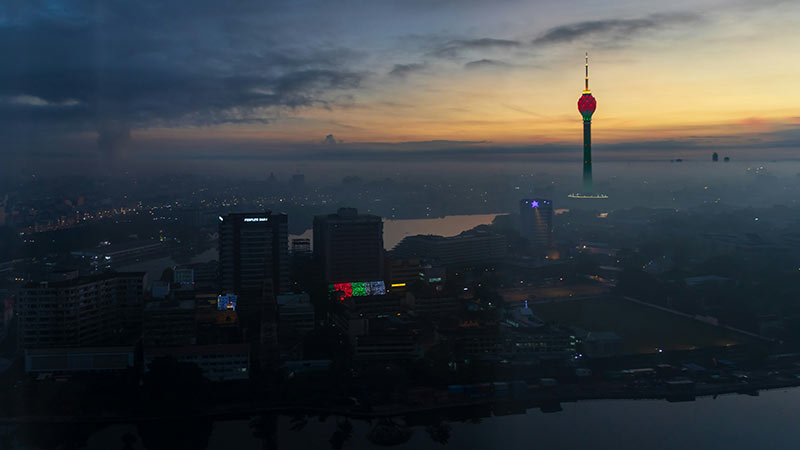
{"type": "Point", "coordinates": [357, 289]}
{"type": "Point", "coordinates": [226, 302]}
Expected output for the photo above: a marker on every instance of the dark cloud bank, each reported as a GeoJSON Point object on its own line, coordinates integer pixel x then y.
{"type": "Point", "coordinates": [116, 66]}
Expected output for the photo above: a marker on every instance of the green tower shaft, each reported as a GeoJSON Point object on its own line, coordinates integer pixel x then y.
{"type": "Point", "coordinates": [588, 187]}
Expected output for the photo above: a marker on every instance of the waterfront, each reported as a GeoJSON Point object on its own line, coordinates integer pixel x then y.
{"type": "Point", "coordinates": [729, 421]}
{"type": "Point", "coordinates": [395, 230]}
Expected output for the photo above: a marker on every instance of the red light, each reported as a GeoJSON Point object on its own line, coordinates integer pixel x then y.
{"type": "Point", "coordinates": [587, 105]}
{"type": "Point", "coordinates": [345, 288]}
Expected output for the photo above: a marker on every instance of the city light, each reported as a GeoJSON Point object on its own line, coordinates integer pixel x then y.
{"type": "Point", "coordinates": [357, 289]}
{"type": "Point", "coordinates": [226, 302]}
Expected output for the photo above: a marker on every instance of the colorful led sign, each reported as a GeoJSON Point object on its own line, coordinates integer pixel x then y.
{"type": "Point", "coordinates": [226, 302]}
{"type": "Point", "coordinates": [357, 289]}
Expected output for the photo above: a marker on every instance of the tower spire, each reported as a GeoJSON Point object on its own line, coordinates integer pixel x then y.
{"type": "Point", "coordinates": [586, 90]}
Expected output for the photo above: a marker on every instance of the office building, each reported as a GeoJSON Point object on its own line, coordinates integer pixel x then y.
{"type": "Point", "coordinates": [301, 246]}
{"type": "Point", "coordinates": [295, 313]}
{"type": "Point", "coordinates": [349, 245]}
{"type": "Point", "coordinates": [403, 272]}
{"type": "Point", "coordinates": [169, 323]}
{"type": "Point", "coordinates": [206, 276]}
{"type": "Point", "coordinates": [254, 249]}
{"type": "Point", "coordinates": [536, 217]}
{"type": "Point", "coordinates": [295, 320]}
{"type": "Point", "coordinates": [82, 311]}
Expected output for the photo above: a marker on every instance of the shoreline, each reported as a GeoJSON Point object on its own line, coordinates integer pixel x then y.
{"type": "Point", "coordinates": [539, 398]}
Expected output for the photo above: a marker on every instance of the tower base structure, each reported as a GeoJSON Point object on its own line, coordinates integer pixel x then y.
{"type": "Point", "coordinates": [594, 196]}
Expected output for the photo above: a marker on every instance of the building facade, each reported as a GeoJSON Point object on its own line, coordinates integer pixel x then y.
{"type": "Point", "coordinates": [254, 248]}
{"type": "Point", "coordinates": [350, 246]}
{"type": "Point", "coordinates": [536, 217]}
{"type": "Point", "coordinates": [83, 311]}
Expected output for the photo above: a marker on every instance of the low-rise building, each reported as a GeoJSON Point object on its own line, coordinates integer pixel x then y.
{"type": "Point", "coordinates": [79, 359]}
{"type": "Point", "coordinates": [217, 362]}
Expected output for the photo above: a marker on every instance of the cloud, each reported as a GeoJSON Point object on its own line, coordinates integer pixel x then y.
{"type": "Point", "coordinates": [611, 30]}
{"type": "Point", "coordinates": [455, 48]}
{"type": "Point", "coordinates": [485, 63]}
{"type": "Point", "coordinates": [79, 68]}
{"type": "Point", "coordinates": [403, 70]}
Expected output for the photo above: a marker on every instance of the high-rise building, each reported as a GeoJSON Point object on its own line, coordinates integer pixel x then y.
{"type": "Point", "coordinates": [536, 217]}
{"type": "Point", "coordinates": [253, 252]}
{"type": "Point", "coordinates": [349, 245]}
{"type": "Point", "coordinates": [82, 311]}
{"type": "Point", "coordinates": [301, 246]}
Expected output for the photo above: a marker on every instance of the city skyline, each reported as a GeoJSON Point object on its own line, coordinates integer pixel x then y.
{"type": "Point", "coordinates": [307, 224]}
{"type": "Point", "coordinates": [280, 80]}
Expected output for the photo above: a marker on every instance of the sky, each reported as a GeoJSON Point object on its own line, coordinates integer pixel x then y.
{"type": "Point", "coordinates": [277, 78]}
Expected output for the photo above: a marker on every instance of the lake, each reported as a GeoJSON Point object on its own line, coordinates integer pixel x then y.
{"type": "Point", "coordinates": [395, 230]}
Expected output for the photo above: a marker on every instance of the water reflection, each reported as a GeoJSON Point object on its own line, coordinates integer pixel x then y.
{"type": "Point", "coordinates": [729, 421]}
